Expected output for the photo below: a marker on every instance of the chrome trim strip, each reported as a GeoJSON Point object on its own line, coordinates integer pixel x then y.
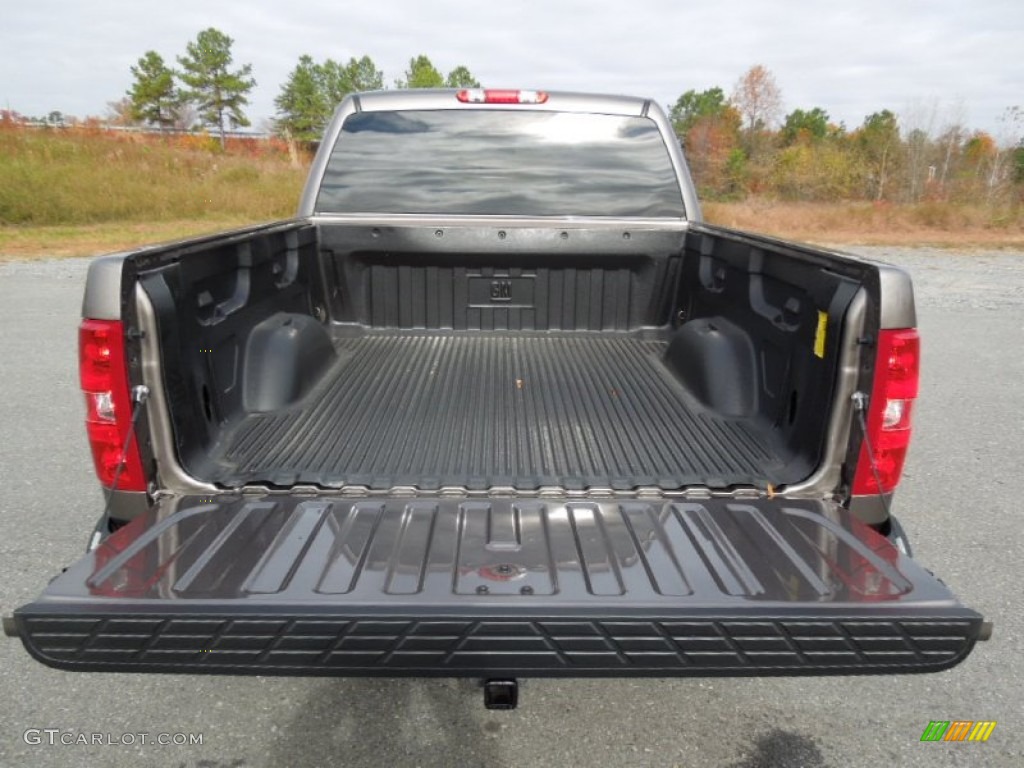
{"type": "Point", "coordinates": [170, 474]}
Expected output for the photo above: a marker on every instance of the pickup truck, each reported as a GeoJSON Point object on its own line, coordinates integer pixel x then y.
{"type": "Point", "coordinates": [497, 403]}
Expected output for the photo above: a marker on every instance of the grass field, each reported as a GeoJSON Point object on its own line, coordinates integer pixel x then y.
{"type": "Point", "coordinates": [937, 224]}
{"type": "Point", "coordinates": [84, 191]}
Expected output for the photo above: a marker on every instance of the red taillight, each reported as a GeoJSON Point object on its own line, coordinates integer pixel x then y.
{"type": "Point", "coordinates": [897, 374]}
{"type": "Point", "coordinates": [103, 373]}
{"type": "Point", "coordinates": [500, 96]}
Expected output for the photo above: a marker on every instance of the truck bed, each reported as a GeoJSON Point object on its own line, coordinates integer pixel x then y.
{"type": "Point", "coordinates": [342, 355]}
{"type": "Point", "coordinates": [487, 410]}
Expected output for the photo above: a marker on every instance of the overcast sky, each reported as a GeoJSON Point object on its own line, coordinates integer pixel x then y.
{"type": "Point", "coordinates": [851, 58]}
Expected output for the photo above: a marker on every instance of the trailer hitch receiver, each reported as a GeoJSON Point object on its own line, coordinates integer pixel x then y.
{"type": "Point", "coordinates": [501, 694]}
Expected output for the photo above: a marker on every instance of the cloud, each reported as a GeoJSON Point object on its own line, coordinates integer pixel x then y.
{"type": "Point", "coordinates": [849, 59]}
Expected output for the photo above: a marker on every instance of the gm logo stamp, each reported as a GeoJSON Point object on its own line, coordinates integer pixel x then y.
{"type": "Point", "coordinates": [501, 290]}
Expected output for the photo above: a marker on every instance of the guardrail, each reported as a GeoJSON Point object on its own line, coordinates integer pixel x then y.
{"type": "Point", "coordinates": [146, 130]}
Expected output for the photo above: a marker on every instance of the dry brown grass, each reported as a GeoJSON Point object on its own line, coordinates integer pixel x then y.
{"type": "Point", "coordinates": [938, 224]}
{"type": "Point", "coordinates": [82, 192]}
{"type": "Point", "coordinates": [19, 243]}
{"type": "Point", "coordinates": [929, 224]}
{"type": "Point", "coordinates": [84, 175]}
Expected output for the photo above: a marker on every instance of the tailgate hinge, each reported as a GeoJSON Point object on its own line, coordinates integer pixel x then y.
{"type": "Point", "coordinates": [696, 494]}
{"type": "Point", "coordinates": [749, 494]}
{"type": "Point", "coordinates": [649, 492]}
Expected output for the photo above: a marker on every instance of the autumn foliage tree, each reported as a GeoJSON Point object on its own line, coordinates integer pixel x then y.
{"type": "Point", "coordinates": [758, 99]}
{"type": "Point", "coordinates": [708, 126]}
{"type": "Point", "coordinates": [804, 126]}
{"type": "Point", "coordinates": [694, 105]}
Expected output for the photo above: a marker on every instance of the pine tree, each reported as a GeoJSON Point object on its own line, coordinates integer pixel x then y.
{"type": "Point", "coordinates": [363, 75]}
{"type": "Point", "coordinates": [302, 105]}
{"type": "Point", "coordinates": [218, 92]}
{"type": "Point", "coordinates": [153, 97]}
{"type": "Point", "coordinates": [461, 77]}
{"type": "Point", "coordinates": [339, 80]}
{"type": "Point", "coordinates": [421, 74]}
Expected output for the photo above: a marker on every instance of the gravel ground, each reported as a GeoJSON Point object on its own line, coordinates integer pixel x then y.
{"type": "Point", "coordinates": [956, 501]}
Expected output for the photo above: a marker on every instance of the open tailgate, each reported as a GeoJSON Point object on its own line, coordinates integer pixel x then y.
{"type": "Point", "coordinates": [292, 585]}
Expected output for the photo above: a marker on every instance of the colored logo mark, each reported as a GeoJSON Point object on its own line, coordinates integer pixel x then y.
{"type": "Point", "coordinates": [958, 730]}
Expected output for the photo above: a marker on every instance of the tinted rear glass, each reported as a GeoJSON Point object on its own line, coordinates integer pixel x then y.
{"type": "Point", "coordinates": [502, 162]}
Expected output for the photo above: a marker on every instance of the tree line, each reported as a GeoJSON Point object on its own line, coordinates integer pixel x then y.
{"type": "Point", "coordinates": [206, 90]}
{"type": "Point", "coordinates": [742, 144]}
{"type": "Point", "coordinates": [312, 90]}
{"type": "Point", "coordinates": [737, 144]}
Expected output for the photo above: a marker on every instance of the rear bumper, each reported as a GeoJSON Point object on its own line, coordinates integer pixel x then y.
{"type": "Point", "coordinates": [497, 588]}
{"type": "Point", "coordinates": [523, 645]}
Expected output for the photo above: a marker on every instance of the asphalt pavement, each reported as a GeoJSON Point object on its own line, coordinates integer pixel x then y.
{"type": "Point", "coordinates": [959, 502]}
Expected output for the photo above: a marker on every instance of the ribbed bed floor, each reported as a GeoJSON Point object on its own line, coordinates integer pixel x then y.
{"type": "Point", "coordinates": [489, 410]}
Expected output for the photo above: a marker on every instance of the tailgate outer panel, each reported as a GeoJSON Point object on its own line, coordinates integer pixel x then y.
{"type": "Point", "coordinates": [291, 585]}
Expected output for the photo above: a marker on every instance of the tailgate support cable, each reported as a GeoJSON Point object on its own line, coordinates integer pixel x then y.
{"type": "Point", "coordinates": [140, 394]}
{"type": "Point", "coordinates": [860, 405]}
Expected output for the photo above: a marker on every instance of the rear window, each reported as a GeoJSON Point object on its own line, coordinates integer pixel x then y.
{"type": "Point", "coordinates": [501, 162]}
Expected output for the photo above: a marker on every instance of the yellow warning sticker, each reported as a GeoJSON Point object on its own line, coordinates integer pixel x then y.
{"type": "Point", "coordinates": [821, 334]}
